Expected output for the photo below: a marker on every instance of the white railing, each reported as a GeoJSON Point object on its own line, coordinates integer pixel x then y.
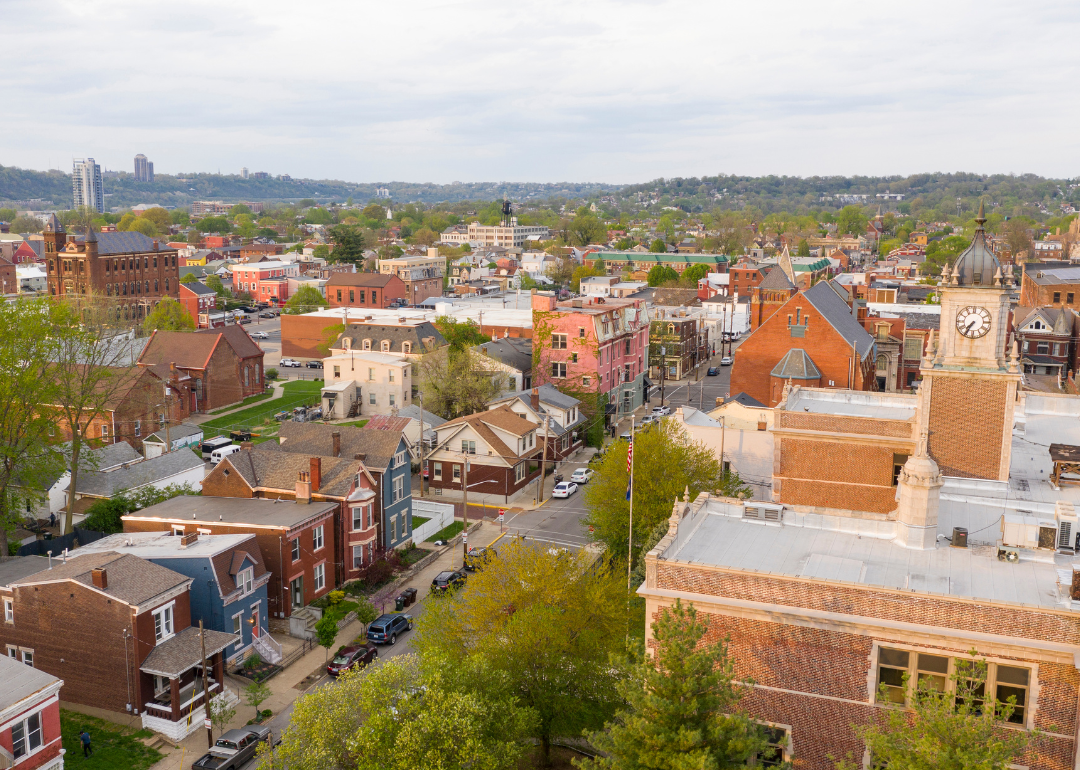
{"type": "Point", "coordinates": [267, 647]}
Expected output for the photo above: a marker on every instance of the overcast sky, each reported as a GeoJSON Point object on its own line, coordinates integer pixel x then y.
{"type": "Point", "coordinates": [557, 90]}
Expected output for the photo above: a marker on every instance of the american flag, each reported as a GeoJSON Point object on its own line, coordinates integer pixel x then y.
{"type": "Point", "coordinates": [629, 467]}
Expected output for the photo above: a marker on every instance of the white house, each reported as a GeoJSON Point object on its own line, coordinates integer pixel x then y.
{"type": "Point", "coordinates": [382, 381]}
{"type": "Point", "coordinates": [178, 437]}
{"type": "Point", "coordinates": [52, 497]}
{"type": "Point", "coordinates": [170, 469]}
{"type": "Point", "coordinates": [30, 278]}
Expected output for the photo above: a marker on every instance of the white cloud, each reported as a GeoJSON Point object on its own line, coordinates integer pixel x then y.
{"type": "Point", "coordinates": [542, 91]}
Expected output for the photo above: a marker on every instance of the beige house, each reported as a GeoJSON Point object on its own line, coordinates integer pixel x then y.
{"type": "Point", "coordinates": [382, 382]}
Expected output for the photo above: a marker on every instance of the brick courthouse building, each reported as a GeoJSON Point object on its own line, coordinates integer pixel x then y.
{"type": "Point", "coordinates": [905, 531]}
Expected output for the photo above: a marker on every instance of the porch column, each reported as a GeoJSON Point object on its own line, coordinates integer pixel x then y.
{"type": "Point", "coordinates": [174, 694]}
{"type": "Point", "coordinates": [217, 669]}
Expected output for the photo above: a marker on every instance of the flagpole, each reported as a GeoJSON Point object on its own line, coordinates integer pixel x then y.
{"type": "Point", "coordinates": [630, 486]}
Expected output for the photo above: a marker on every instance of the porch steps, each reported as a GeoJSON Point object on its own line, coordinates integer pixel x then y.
{"type": "Point", "coordinates": [267, 647]}
{"type": "Point", "coordinates": [158, 741]}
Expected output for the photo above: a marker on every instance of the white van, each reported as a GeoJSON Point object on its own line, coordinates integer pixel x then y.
{"type": "Point", "coordinates": [211, 444]}
{"type": "Point", "coordinates": [218, 454]}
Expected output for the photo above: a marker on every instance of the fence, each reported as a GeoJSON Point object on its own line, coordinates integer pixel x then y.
{"type": "Point", "coordinates": [58, 544]}
{"type": "Point", "coordinates": [305, 647]}
{"type": "Point", "coordinates": [439, 515]}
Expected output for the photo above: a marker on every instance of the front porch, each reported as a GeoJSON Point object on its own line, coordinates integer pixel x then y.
{"type": "Point", "coordinates": [173, 672]}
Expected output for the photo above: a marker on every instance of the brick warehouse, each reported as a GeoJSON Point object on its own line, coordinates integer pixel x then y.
{"type": "Point", "coordinates": [904, 531]}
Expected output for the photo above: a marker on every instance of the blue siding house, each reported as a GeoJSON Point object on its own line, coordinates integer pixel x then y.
{"type": "Point", "coordinates": [228, 592]}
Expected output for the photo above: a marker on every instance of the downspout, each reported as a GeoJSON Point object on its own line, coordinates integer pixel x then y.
{"type": "Point", "coordinates": [127, 667]}
{"type": "Point", "coordinates": [281, 577]}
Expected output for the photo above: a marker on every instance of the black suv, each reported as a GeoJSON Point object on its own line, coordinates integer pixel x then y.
{"type": "Point", "coordinates": [444, 581]}
{"type": "Point", "coordinates": [386, 628]}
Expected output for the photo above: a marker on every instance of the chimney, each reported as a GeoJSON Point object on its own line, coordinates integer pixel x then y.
{"type": "Point", "coordinates": [536, 399]}
{"type": "Point", "coordinates": [361, 456]}
{"type": "Point", "coordinates": [188, 539]}
{"type": "Point", "coordinates": [155, 244]}
{"type": "Point", "coordinates": [336, 436]}
{"type": "Point", "coordinates": [316, 473]}
{"type": "Point", "coordinates": [101, 578]}
{"type": "Point", "coordinates": [303, 488]}
{"type": "Point", "coordinates": [247, 445]}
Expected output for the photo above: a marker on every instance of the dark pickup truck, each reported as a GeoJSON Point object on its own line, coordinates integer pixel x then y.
{"type": "Point", "coordinates": [233, 749]}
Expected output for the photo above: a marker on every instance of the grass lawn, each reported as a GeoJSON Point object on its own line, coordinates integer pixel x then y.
{"type": "Point", "coordinates": [297, 393]}
{"type": "Point", "coordinates": [341, 609]}
{"type": "Point", "coordinates": [114, 746]}
{"type": "Point", "coordinates": [418, 520]}
{"type": "Point", "coordinates": [446, 533]}
{"type": "Point", "coordinates": [245, 402]}
{"type": "Point", "coordinates": [356, 424]}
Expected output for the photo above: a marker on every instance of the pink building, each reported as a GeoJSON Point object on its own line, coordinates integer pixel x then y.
{"type": "Point", "coordinates": [29, 717]}
{"type": "Point", "coordinates": [265, 281]}
{"type": "Point", "coordinates": [593, 345]}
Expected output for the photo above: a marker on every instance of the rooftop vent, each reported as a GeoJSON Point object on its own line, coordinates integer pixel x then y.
{"type": "Point", "coordinates": [188, 539]}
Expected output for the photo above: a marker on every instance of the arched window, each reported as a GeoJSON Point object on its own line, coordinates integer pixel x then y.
{"type": "Point", "coordinates": [367, 344]}
{"type": "Point", "coordinates": [166, 284]}
{"type": "Point", "coordinates": [386, 346]}
{"type": "Point", "coordinates": [406, 347]}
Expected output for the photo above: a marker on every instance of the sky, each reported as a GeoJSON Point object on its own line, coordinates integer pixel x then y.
{"type": "Point", "coordinates": [550, 91]}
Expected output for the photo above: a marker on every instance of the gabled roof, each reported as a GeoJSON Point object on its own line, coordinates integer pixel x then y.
{"type": "Point", "coordinates": [796, 365]}
{"type": "Point", "coordinates": [501, 417]}
{"type": "Point", "coordinates": [128, 578]}
{"type": "Point", "coordinates": [269, 467]}
{"type": "Point", "coordinates": [137, 475]}
{"type": "Point", "coordinates": [183, 430]}
{"type": "Point", "coordinates": [412, 411]}
{"type": "Point", "coordinates": [185, 650]}
{"type": "Point", "coordinates": [195, 287]}
{"type": "Point", "coordinates": [375, 280]}
{"type": "Point", "coordinates": [746, 400]}
{"type": "Point", "coordinates": [825, 300]}
{"type": "Point", "coordinates": [316, 440]}
{"type": "Point", "coordinates": [129, 242]}
{"type": "Point", "coordinates": [549, 394]}
{"type": "Point", "coordinates": [192, 350]}
{"type": "Point", "coordinates": [776, 279]}
{"type": "Point", "coordinates": [515, 353]}
{"type": "Point", "coordinates": [1059, 320]}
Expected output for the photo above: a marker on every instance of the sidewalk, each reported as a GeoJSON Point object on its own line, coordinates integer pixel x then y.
{"type": "Point", "coordinates": [285, 687]}
{"type": "Point", "coordinates": [198, 419]}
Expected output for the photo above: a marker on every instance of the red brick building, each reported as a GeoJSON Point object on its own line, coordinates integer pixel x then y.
{"type": "Point", "coordinates": [296, 539]}
{"type": "Point", "coordinates": [365, 290]}
{"type": "Point", "coordinates": [224, 364]}
{"type": "Point", "coordinates": [253, 252]}
{"type": "Point", "coordinates": [144, 653]}
{"type": "Point", "coordinates": [130, 270]}
{"type": "Point", "coordinates": [1046, 338]}
{"type": "Point", "coordinates": [9, 280]}
{"type": "Point", "coordinates": [30, 717]}
{"type": "Point", "coordinates": [745, 275]}
{"type": "Point", "coordinates": [769, 295]}
{"type": "Point", "coordinates": [812, 339]}
{"type": "Point", "coordinates": [199, 300]}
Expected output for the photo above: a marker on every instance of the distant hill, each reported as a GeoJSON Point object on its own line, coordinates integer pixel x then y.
{"type": "Point", "coordinates": [121, 189]}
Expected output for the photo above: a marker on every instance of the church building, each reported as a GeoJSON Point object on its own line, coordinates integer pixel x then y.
{"type": "Point", "coordinates": [906, 533]}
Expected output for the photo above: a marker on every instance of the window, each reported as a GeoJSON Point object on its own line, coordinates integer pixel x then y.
{"type": "Point", "coordinates": [104, 431]}
{"type": "Point", "coordinates": [371, 398]}
{"type": "Point", "coordinates": [468, 447]}
{"type": "Point", "coordinates": [627, 347]}
{"type": "Point", "coordinates": [317, 538]}
{"type": "Point", "coordinates": [912, 348]}
{"type": "Point", "coordinates": [399, 459]}
{"type": "Point", "coordinates": [13, 652]}
{"type": "Point", "coordinates": [399, 488]}
{"type": "Point", "coordinates": [573, 358]}
{"type": "Point", "coordinates": [352, 296]}
{"type": "Point", "coordinates": [778, 750]}
{"type": "Point", "coordinates": [138, 427]}
{"type": "Point", "coordinates": [519, 472]}
{"type": "Point", "coordinates": [27, 657]}
{"type": "Point", "coordinates": [581, 332]}
{"type": "Point", "coordinates": [436, 471]}
{"type": "Point", "coordinates": [358, 517]}
{"type": "Point", "coordinates": [457, 473]}
{"type": "Point", "coordinates": [393, 399]}
{"type": "Point", "coordinates": [237, 622]}
{"type": "Point", "coordinates": [320, 577]}
{"type": "Point", "coordinates": [1069, 298]}
{"type": "Point", "coordinates": [390, 372]}
{"type": "Point", "coordinates": [245, 580]}
{"type": "Point", "coordinates": [337, 372]}
{"type": "Point", "coordinates": [357, 556]}
{"type": "Point", "coordinates": [558, 370]}
{"type": "Point", "coordinates": [585, 381]}
{"type": "Point", "coordinates": [898, 461]}
{"type": "Point", "coordinates": [1057, 297]}
{"type": "Point", "coordinates": [393, 529]}
{"type": "Point", "coordinates": [367, 345]}
{"type": "Point", "coordinates": [374, 296]}
{"type": "Point", "coordinates": [371, 376]}
{"type": "Point", "coordinates": [9, 611]}
{"type": "Point", "coordinates": [939, 672]}
{"type": "Point", "coordinates": [296, 549]}
{"type": "Point", "coordinates": [1057, 352]}
{"type": "Point", "coordinates": [558, 342]}
{"type": "Point", "coordinates": [26, 736]}
{"type": "Point", "coordinates": [386, 346]}
{"type": "Point", "coordinates": [163, 623]}
{"type": "Point", "coordinates": [1043, 348]}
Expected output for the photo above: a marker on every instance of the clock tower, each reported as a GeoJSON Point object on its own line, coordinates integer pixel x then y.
{"type": "Point", "coordinates": [968, 391]}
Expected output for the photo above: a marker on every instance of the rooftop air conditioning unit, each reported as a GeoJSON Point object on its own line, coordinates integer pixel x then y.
{"type": "Point", "coordinates": [1067, 526]}
{"type": "Point", "coordinates": [763, 512]}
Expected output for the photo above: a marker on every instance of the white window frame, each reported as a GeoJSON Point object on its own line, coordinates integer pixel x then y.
{"type": "Point", "coordinates": [23, 750]}
{"type": "Point", "coordinates": [165, 616]}
{"type": "Point", "coordinates": [436, 471]}
{"type": "Point", "coordinates": [294, 551]}
{"type": "Point", "coordinates": [104, 431]}
{"type": "Point", "coordinates": [9, 610]}
{"type": "Point", "coordinates": [519, 472]}
{"type": "Point", "coordinates": [245, 580]}
{"type": "Point", "coordinates": [138, 427]}
{"type": "Point", "coordinates": [13, 652]}
{"type": "Point", "coordinates": [357, 518]}
{"type": "Point", "coordinates": [238, 623]}
{"type": "Point", "coordinates": [27, 654]}
{"type": "Point", "coordinates": [399, 488]}
{"type": "Point", "coordinates": [357, 550]}
{"type": "Point", "coordinates": [399, 459]}
{"type": "Point", "coordinates": [785, 748]}
{"type": "Point", "coordinates": [318, 539]}
{"type": "Point", "coordinates": [319, 575]}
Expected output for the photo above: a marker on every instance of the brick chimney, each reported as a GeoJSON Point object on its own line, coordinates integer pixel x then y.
{"type": "Point", "coordinates": [535, 399]}
{"type": "Point", "coordinates": [316, 473]}
{"type": "Point", "coordinates": [303, 488]}
{"type": "Point", "coordinates": [336, 436]}
{"type": "Point", "coordinates": [101, 578]}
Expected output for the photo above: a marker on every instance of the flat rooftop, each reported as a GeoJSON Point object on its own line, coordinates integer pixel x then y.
{"type": "Point", "coordinates": [233, 510]}
{"type": "Point", "coordinates": [889, 406]}
{"type": "Point", "coordinates": [165, 545]}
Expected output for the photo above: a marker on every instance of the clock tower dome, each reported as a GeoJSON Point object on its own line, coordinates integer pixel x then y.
{"type": "Point", "coordinates": [968, 391]}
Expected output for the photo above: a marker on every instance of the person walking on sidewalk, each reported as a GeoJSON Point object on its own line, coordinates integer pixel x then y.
{"type": "Point", "coordinates": [85, 738]}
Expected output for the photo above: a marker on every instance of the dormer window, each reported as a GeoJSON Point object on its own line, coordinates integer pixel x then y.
{"type": "Point", "coordinates": [367, 345]}
{"type": "Point", "coordinates": [386, 346]}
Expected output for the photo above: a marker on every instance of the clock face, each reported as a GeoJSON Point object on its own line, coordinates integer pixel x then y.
{"type": "Point", "coordinates": [973, 322]}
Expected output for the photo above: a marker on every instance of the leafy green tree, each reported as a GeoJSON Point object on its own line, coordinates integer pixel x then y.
{"type": "Point", "coordinates": [550, 622]}
{"type": "Point", "coordinates": [221, 713]}
{"type": "Point", "coordinates": [180, 217]}
{"type": "Point", "coordinates": [214, 225]}
{"type": "Point", "coordinates": [255, 693]}
{"type": "Point", "coordinates": [306, 299]}
{"type": "Point", "coordinates": [455, 382]}
{"type": "Point", "coordinates": [349, 244]}
{"type": "Point", "coordinates": [804, 248]}
{"type": "Point", "coordinates": [681, 706]}
{"type": "Point", "coordinates": [374, 211]}
{"type": "Point", "coordinates": [326, 632]}
{"type": "Point", "coordinates": [238, 209]}
{"type": "Point", "coordinates": [168, 316]}
{"type": "Point", "coordinates": [104, 515]}
{"type": "Point", "coordinates": [6, 214]}
{"type": "Point", "coordinates": [693, 274]}
{"type": "Point", "coordinates": [562, 272]}
{"type": "Point", "coordinates": [658, 246]}
{"type": "Point", "coordinates": [306, 203]}
{"type": "Point", "coordinates": [851, 221]}
{"type": "Point", "coordinates": [460, 334]}
{"type": "Point", "coordinates": [322, 251]}
{"type": "Point", "coordinates": [26, 225]}
{"type": "Point", "coordinates": [214, 282]}
{"type": "Point", "coordinates": [318, 217]}
{"type": "Point", "coordinates": [189, 278]}
{"type": "Point", "coordinates": [397, 716]}
{"type": "Point", "coordinates": [160, 219]}
{"type": "Point", "coordinates": [581, 271]}
{"type": "Point", "coordinates": [1018, 236]}
{"type": "Point", "coordinates": [586, 229]}
{"type": "Point", "coordinates": [144, 226]}
{"type": "Point", "coordinates": [945, 728]}
{"type": "Point", "coordinates": [661, 274]}
{"type": "Point", "coordinates": [425, 236]}
{"type": "Point", "coordinates": [666, 463]}
{"type": "Point", "coordinates": [193, 237]}
{"type": "Point", "coordinates": [527, 282]}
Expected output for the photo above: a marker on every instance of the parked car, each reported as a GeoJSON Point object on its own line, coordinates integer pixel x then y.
{"type": "Point", "coordinates": [220, 454]}
{"type": "Point", "coordinates": [288, 362]}
{"type": "Point", "coordinates": [233, 749]}
{"type": "Point", "coordinates": [582, 475]}
{"type": "Point", "coordinates": [661, 411]}
{"type": "Point", "coordinates": [267, 314]}
{"type": "Point", "coordinates": [386, 628]}
{"type": "Point", "coordinates": [351, 657]}
{"type": "Point", "coordinates": [478, 557]}
{"type": "Point", "coordinates": [565, 489]}
{"type": "Point", "coordinates": [445, 581]}
{"type": "Point", "coordinates": [713, 371]}
{"type": "Point", "coordinates": [726, 361]}
{"type": "Point", "coordinates": [314, 364]}
{"type": "Point", "coordinates": [282, 416]}
{"type": "Point", "coordinates": [259, 336]}
{"type": "Point", "coordinates": [243, 319]}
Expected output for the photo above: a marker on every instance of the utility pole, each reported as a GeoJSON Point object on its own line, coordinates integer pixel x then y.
{"type": "Point", "coordinates": [206, 689]}
{"type": "Point", "coordinates": [465, 512]}
{"type": "Point", "coordinates": [543, 460]}
{"type": "Point", "coordinates": [663, 371]}
{"type": "Point", "coordinates": [421, 444]}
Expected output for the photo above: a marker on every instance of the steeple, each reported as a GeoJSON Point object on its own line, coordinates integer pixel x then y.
{"type": "Point", "coordinates": [785, 265]}
{"type": "Point", "coordinates": [977, 266]}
